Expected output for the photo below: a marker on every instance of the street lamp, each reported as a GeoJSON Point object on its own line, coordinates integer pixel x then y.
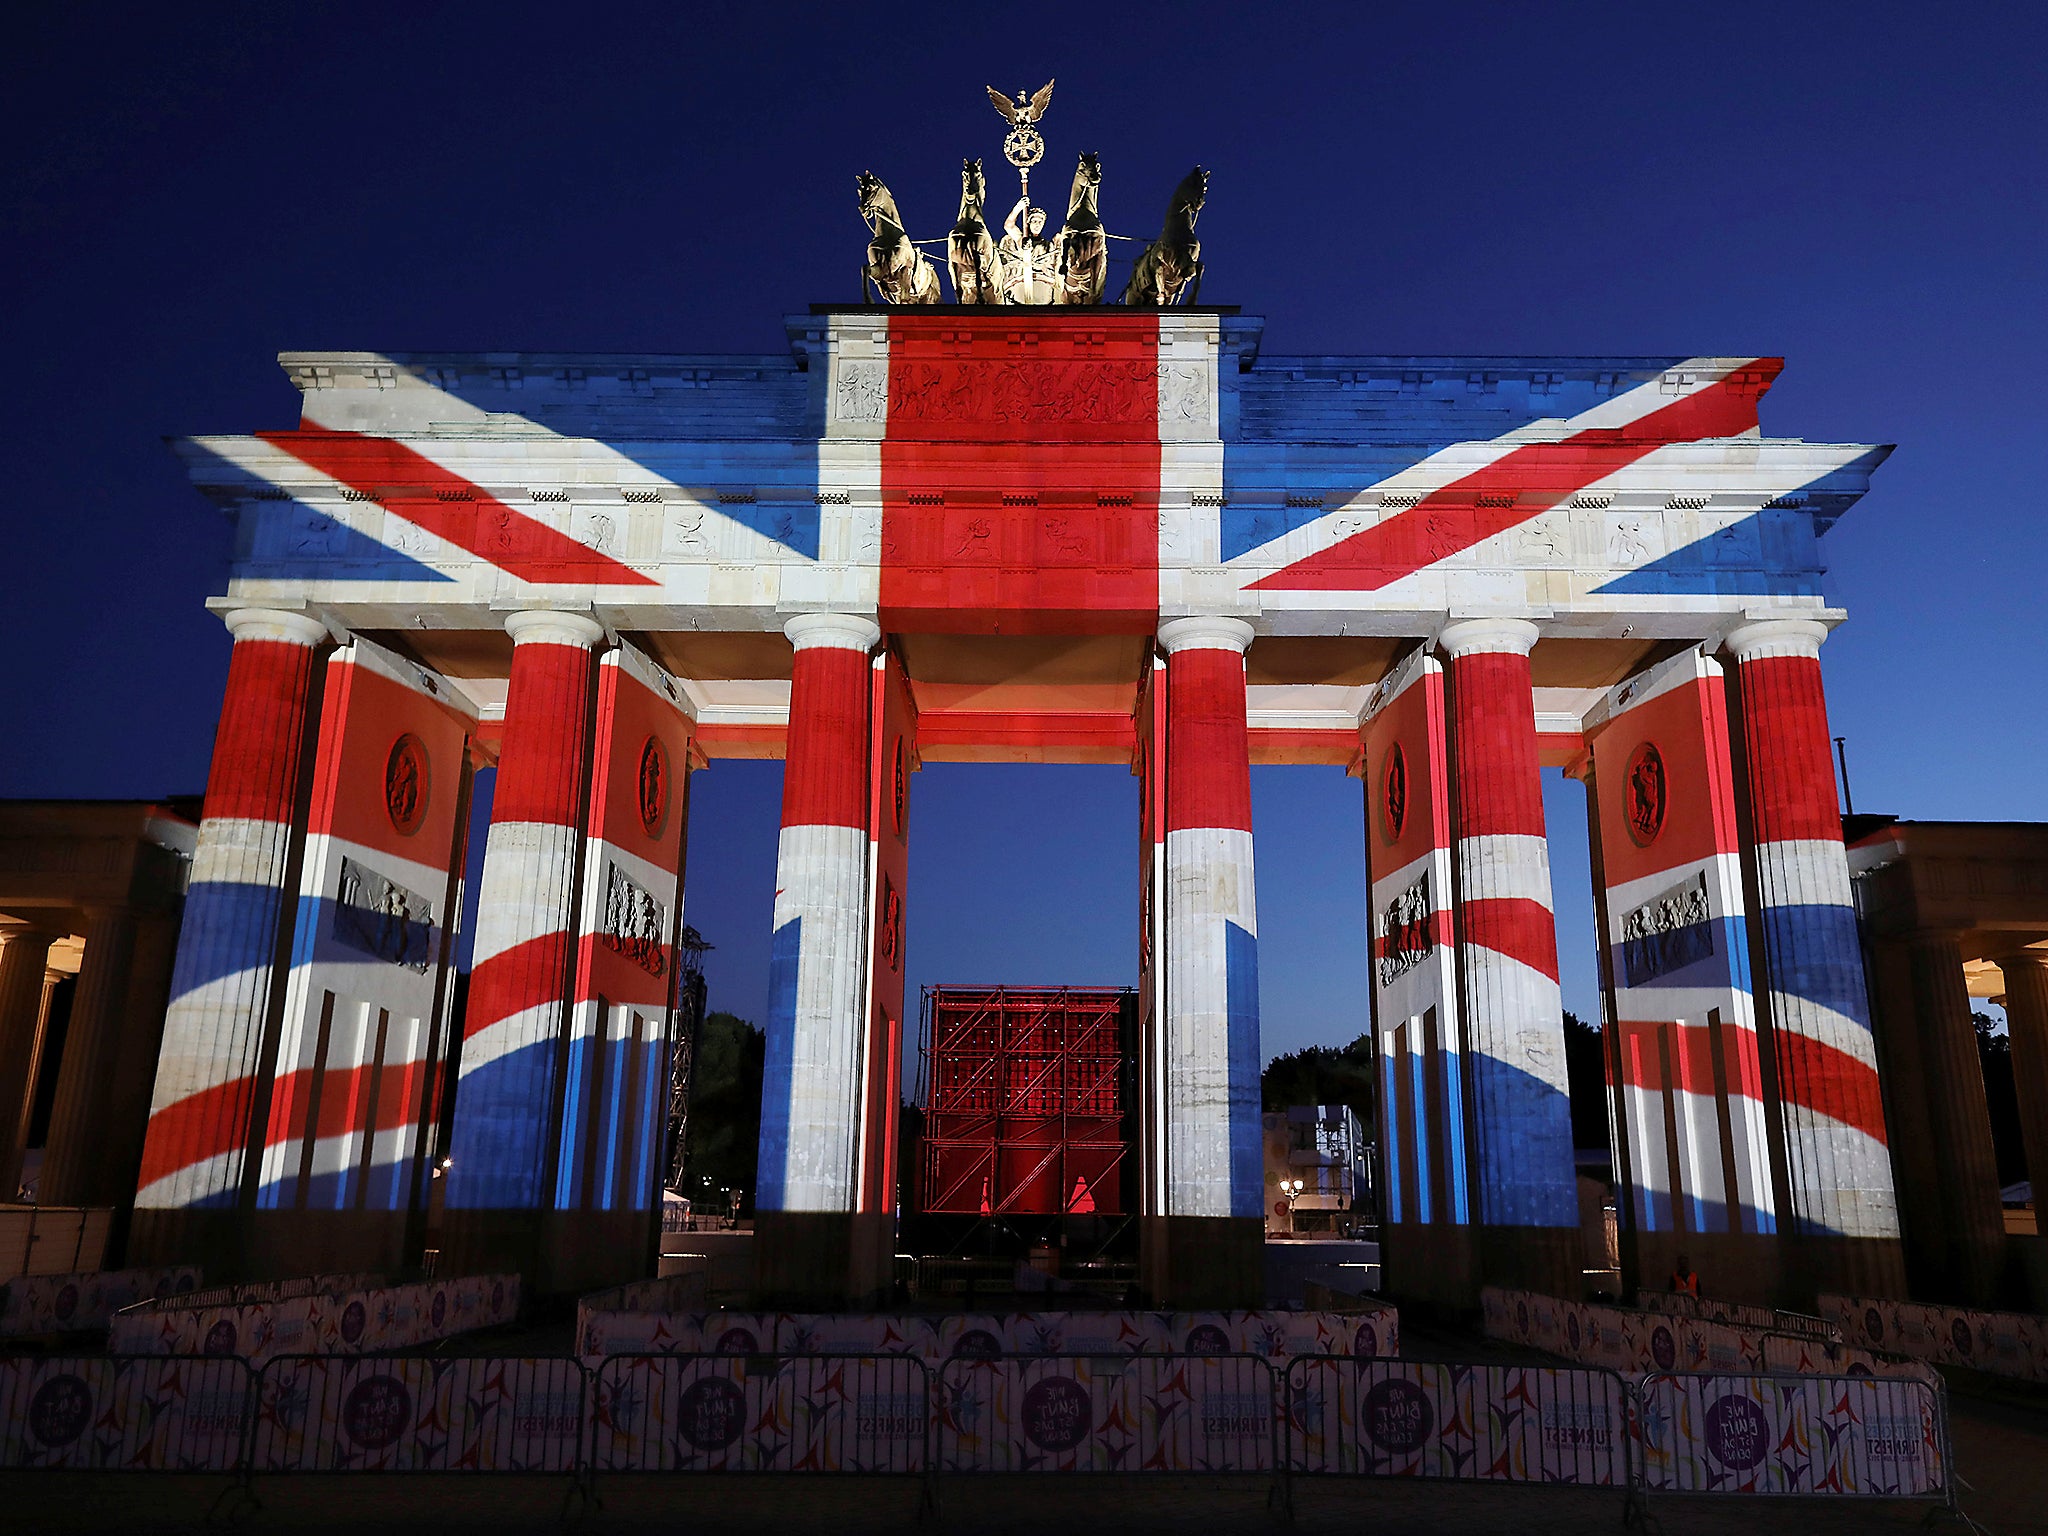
{"type": "Point", "coordinates": [1291, 1188]}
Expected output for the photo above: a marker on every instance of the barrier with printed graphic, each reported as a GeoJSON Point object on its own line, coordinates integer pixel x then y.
{"type": "Point", "coordinates": [88, 1300]}
{"type": "Point", "coordinates": [606, 1326]}
{"type": "Point", "coordinates": [760, 1413]}
{"type": "Point", "coordinates": [324, 1413]}
{"type": "Point", "coordinates": [1391, 1418]}
{"type": "Point", "coordinates": [125, 1415]}
{"type": "Point", "coordinates": [1107, 1413]}
{"type": "Point", "coordinates": [1852, 1435]}
{"type": "Point", "coordinates": [2003, 1343]}
{"type": "Point", "coordinates": [347, 1322]}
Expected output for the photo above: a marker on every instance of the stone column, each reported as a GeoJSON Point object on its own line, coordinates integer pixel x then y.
{"type": "Point", "coordinates": [1507, 963]}
{"type": "Point", "coordinates": [1840, 1203]}
{"type": "Point", "coordinates": [817, 977]}
{"type": "Point", "coordinates": [525, 953]}
{"type": "Point", "coordinates": [1208, 1249]}
{"type": "Point", "coordinates": [1952, 1080]}
{"type": "Point", "coordinates": [206, 1089]}
{"type": "Point", "coordinates": [25, 987]}
{"type": "Point", "coordinates": [75, 1164]}
{"type": "Point", "coordinates": [2026, 1017]}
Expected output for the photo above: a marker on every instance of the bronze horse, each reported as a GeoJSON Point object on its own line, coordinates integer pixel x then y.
{"type": "Point", "coordinates": [1084, 249]}
{"type": "Point", "coordinates": [897, 268]}
{"type": "Point", "coordinates": [1172, 264]}
{"type": "Point", "coordinates": [971, 249]}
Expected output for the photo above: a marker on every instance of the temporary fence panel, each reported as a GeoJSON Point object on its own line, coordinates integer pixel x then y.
{"type": "Point", "coordinates": [1852, 1435]}
{"type": "Point", "coordinates": [123, 1414]}
{"type": "Point", "coordinates": [1486, 1423]}
{"type": "Point", "coordinates": [1787, 1355]}
{"type": "Point", "coordinates": [2003, 1343]}
{"type": "Point", "coordinates": [88, 1299]}
{"type": "Point", "coordinates": [760, 1413]}
{"type": "Point", "coordinates": [346, 1322]}
{"type": "Point", "coordinates": [466, 1414]}
{"type": "Point", "coordinates": [1107, 1413]}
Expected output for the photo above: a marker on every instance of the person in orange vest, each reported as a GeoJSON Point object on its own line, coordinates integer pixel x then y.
{"type": "Point", "coordinates": [1683, 1280]}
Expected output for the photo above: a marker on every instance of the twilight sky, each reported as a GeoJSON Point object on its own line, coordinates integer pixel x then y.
{"type": "Point", "coordinates": [1863, 189]}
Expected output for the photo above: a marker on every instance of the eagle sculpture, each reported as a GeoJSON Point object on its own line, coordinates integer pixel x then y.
{"type": "Point", "coordinates": [1025, 110]}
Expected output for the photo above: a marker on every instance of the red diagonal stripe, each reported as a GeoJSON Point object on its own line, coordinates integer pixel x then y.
{"type": "Point", "coordinates": [196, 1127]}
{"type": "Point", "coordinates": [1532, 479]}
{"type": "Point", "coordinates": [1513, 926]}
{"type": "Point", "coordinates": [1829, 1082]}
{"type": "Point", "coordinates": [411, 485]}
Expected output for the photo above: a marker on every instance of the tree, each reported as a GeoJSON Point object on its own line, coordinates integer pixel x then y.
{"type": "Point", "coordinates": [2001, 1097]}
{"type": "Point", "coordinates": [1323, 1074]}
{"type": "Point", "coordinates": [725, 1109]}
{"type": "Point", "coordinates": [1585, 1068]}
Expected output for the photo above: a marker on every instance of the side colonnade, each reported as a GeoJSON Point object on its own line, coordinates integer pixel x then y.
{"type": "Point", "coordinates": [1748, 1130]}
{"type": "Point", "coordinates": [301, 1117]}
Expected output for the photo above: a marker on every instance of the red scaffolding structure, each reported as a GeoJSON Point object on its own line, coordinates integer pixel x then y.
{"type": "Point", "coordinates": [1026, 1100]}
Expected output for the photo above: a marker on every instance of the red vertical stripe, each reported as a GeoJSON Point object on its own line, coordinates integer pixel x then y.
{"type": "Point", "coordinates": [1498, 786]}
{"type": "Point", "coordinates": [547, 713]}
{"type": "Point", "coordinates": [1791, 772]}
{"type": "Point", "coordinates": [824, 780]}
{"type": "Point", "coordinates": [256, 752]}
{"type": "Point", "coordinates": [1208, 778]}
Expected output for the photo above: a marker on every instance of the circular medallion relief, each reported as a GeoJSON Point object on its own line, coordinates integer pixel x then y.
{"type": "Point", "coordinates": [1394, 794]}
{"type": "Point", "coordinates": [406, 784]}
{"type": "Point", "coordinates": [1644, 796]}
{"type": "Point", "coordinates": [653, 786]}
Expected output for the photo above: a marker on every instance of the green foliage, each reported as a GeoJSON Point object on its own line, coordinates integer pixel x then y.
{"type": "Point", "coordinates": [1585, 1066]}
{"type": "Point", "coordinates": [1323, 1074]}
{"type": "Point", "coordinates": [725, 1110]}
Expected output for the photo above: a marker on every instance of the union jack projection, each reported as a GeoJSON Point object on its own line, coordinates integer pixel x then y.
{"type": "Point", "coordinates": [1070, 535]}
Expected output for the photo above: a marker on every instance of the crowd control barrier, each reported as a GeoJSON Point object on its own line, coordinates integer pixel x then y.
{"type": "Point", "coordinates": [1107, 1413]}
{"type": "Point", "coordinates": [85, 1300]}
{"type": "Point", "coordinates": [1712, 1434]}
{"type": "Point", "coordinates": [1468, 1423]}
{"type": "Point", "coordinates": [125, 1414]}
{"type": "Point", "coordinates": [1861, 1436]}
{"type": "Point", "coordinates": [258, 1324]}
{"type": "Point", "coordinates": [2003, 1343]}
{"type": "Point", "coordinates": [761, 1413]}
{"type": "Point", "coordinates": [634, 1320]}
{"type": "Point", "coordinates": [472, 1413]}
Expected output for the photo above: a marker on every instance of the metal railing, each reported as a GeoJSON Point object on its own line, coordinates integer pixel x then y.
{"type": "Point", "coordinates": [1107, 1413]}
{"type": "Point", "coordinates": [1662, 1434]}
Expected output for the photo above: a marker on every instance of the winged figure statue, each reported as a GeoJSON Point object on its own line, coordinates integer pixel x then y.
{"type": "Point", "coordinates": [1025, 110]}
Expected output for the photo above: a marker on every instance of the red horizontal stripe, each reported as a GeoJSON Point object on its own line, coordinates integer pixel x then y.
{"type": "Point", "coordinates": [1791, 770]}
{"type": "Point", "coordinates": [1208, 762]}
{"type": "Point", "coordinates": [195, 1128]}
{"type": "Point", "coordinates": [1514, 926]}
{"type": "Point", "coordinates": [256, 750]}
{"type": "Point", "coordinates": [824, 782]}
{"type": "Point", "coordinates": [1830, 1082]}
{"type": "Point", "coordinates": [343, 1094]}
{"type": "Point", "coordinates": [1531, 479]}
{"type": "Point", "coordinates": [1498, 781]}
{"type": "Point", "coordinates": [413, 486]}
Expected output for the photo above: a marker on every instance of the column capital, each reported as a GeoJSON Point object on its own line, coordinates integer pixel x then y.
{"type": "Point", "coordinates": [838, 631]}
{"type": "Point", "coordinates": [1471, 637]}
{"type": "Point", "coordinates": [274, 624]}
{"type": "Point", "coordinates": [541, 626]}
{"type": "Point", "coordinates": [1205, 634]}
{"type": "Point", "coordinates": [1776, 637]}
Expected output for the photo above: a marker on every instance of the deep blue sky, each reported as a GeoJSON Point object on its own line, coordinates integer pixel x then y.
{"type": "Point", "coordinates": [187, 190]}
